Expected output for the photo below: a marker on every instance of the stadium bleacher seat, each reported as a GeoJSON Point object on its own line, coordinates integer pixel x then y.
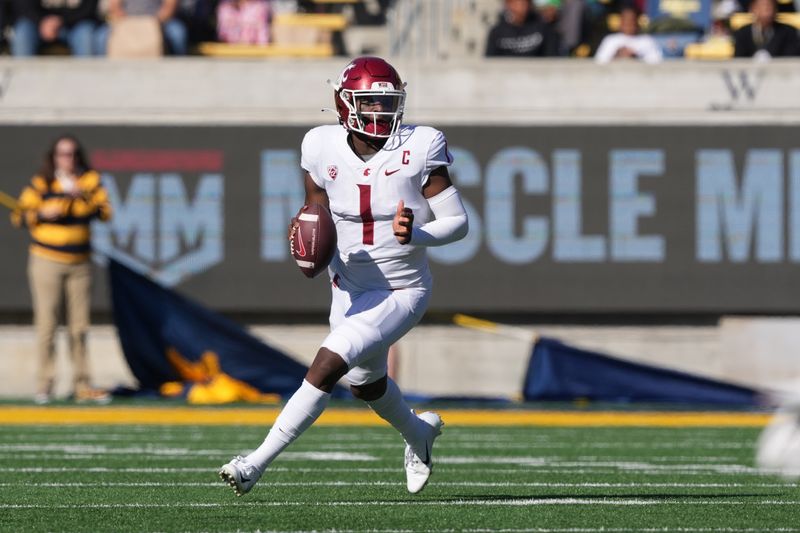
{"type": "Point", "coordinates": [306, 29]}
{"type": "Point", "coordinates": [715, 49]}
{"type": "Point", "coordinates": [321, 21]}
{"type": "Point", "coordinates": [720, 49]}
{"type": "Point", "coordinates": [271, 50]}
{"type": "Point", "coordinates": [294, 35]}
{"type": "Point", "coordinates": [739, 20]}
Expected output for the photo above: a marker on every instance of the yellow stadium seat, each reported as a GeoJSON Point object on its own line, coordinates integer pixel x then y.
{"type": "Point", "coordinates": [296, 29]}
{"type": "Point", "coordinates": [271, 50]}
{"type": "Point", "coordinates": [716, 49]}
{"type": "Point", "coordinates": [321, 21]}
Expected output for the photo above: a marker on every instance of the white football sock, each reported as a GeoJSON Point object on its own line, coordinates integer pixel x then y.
{"type": "Point", "coordinates": [394, 409]}
{"type": "Point", "coordinates": [302, 409]}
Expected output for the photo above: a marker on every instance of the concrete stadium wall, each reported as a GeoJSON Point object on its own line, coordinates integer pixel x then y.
{"type": "Point", "coordinates": [444, 360]}
{"type": "Point", "coordinates": [286, 92]}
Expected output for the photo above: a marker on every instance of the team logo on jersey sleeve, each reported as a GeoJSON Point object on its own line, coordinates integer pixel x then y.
{"type": "Point", "coordinates": [333, 171]}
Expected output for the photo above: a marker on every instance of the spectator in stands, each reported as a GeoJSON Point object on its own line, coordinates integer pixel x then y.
{"type": "Point", "coordinates": [783, 6]}
{"type": "Point", "coordinates": [520, 32]}
{"type": "Point", "coordinates": [57, 207]}
{"type": "Point", "coordinates": [549, 12]}
{"type": "Point", "coordinates": [199, 17]}
{"type": "Point", "coordinates": [720, 27]}
{"type": "Point", "coordinates": [243, 21]}
{"type": "Point", "coordinates": [49, 21]}
{"type": "Point", "coordinates": [4, 12]}
{"type": "Point", "coordinates": [174, 30]}
{"type": "Point", "coordinates": [564, 18]}
{"type": "Point", "coordinates": [765, 37]}
{"type": "Point", "coordinates": [628, 43]}
{"type": "Point", "coordinates": [574, 21]}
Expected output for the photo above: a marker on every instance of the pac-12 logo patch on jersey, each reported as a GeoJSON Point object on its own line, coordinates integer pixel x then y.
{"type": "Point", "coordinates": [333, 171]}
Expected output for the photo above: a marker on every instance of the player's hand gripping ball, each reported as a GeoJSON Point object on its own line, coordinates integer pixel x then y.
{"type": "Point", "coordinates": [312, 239]}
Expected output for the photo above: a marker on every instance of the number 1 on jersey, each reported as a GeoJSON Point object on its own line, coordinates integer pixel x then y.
{"type": "Point", "coordinates": [365, 208]}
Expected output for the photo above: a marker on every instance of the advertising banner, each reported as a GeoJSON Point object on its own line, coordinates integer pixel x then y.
{"type": "Point", "coordinates": [578, 219]}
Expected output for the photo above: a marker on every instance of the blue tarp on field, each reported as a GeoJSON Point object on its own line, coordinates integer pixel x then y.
{"type": "Point", "coordinates": [563, 373]}
{"type": "Point", "coordinates": [168, 338]}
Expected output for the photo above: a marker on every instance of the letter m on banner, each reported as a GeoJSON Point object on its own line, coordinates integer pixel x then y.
{"type": "Point", "coordinates": [281, 197]}
{"type": "Point", "coordinates": [159, 227]}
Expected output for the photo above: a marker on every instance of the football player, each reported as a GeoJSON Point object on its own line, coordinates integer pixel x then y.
{"type": "Point", "coordinates": [389, 192]}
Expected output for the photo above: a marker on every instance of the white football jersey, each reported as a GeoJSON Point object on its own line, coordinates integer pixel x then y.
{"type": "Point", "coordinates": [363, 201]}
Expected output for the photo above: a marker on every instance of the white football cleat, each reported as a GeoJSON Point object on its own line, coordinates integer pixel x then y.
{"type": "Point", "coordinates": [418, 470]}
{"type": "Point", "coordinates": [240, 475]}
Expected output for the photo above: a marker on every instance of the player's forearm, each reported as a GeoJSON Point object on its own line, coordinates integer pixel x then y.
{"type": "Point", "coordinates": [451, 222]}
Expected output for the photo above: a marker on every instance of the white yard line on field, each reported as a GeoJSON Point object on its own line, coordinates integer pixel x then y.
{"type": "Point", "coordinates": [513, 502]}
{"type": "Point", "coordinates": [447, 469]}
{"type": "Point", "coordinates": [84, 451]}
{"type": "Point", "coordinates": [485, 484]}
{"type": "Point", "coordinates": [186, 470]}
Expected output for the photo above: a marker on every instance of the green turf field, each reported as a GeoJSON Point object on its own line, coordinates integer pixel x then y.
{"type": "Point", "coordinates": [163, 478]}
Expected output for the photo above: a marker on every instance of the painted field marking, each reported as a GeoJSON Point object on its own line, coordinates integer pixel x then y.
{"type": "Point", "coordinates": [170, 453]}
{"type": "Point", "coordinates": [513, 502]}
{"type": "Point", "coordinates": [699, 470]}
{"type": "Point", "coordinates": [28, 415]}
{"type": "Point", "coordinates": [477, 484]}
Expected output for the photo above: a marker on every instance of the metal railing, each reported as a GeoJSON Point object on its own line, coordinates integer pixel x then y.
{"type": "Point", "coordinates": [439, 29]}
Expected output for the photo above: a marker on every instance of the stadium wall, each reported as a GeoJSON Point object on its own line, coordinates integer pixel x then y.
{"type": "Point", "coordinates": [451, 361]}
{"type": "Point", "coordinates": [498, 92]}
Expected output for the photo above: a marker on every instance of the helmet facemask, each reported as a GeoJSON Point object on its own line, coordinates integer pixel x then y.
{"type": "Point", "coordinates": [375, 112]}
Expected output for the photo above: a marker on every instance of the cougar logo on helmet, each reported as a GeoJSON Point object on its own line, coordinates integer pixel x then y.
{"type": "Point", "coordinates": [370, 97]}
{"type": "Point", "coordinates": [343, 75]}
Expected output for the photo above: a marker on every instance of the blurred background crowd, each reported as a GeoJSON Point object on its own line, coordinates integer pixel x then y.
{"type": "Point", "coordinates": [648, 30]}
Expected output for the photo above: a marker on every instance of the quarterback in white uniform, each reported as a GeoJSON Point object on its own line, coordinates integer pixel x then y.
{"type": "Point", "coordinates": [389, 192]}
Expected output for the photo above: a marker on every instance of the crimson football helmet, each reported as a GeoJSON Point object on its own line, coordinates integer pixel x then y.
{"type": "Point", "coordinates": [370, 97]}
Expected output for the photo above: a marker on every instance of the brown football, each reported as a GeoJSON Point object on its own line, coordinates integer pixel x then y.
{"type": "Point", "coordinates": [314, 241]}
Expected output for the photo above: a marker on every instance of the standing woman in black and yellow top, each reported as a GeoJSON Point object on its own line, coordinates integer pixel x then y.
{"type": "Point", "coordinates": [58, 207]}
